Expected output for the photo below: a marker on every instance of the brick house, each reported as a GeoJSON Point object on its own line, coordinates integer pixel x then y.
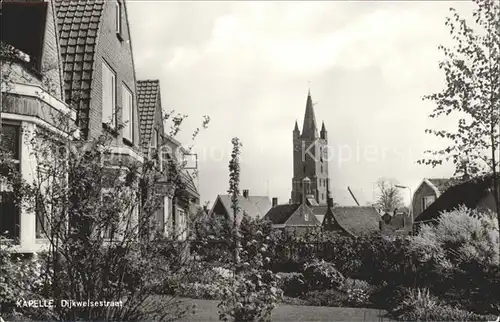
{"type": "Point", "coordinates": [352, 220]}
{"type": "Point", "coordinates": [99, 75]}
{"type": "Point", "coordinates": [474, 194]}
{"type": "Point", "coordinates": [178, 204]}
{"type": "Point", "coordinates": [254, 206]}
{"type": "Point", "coordinates": [33, 100]}
{"type": "Point", "coordinates": [295, 217]}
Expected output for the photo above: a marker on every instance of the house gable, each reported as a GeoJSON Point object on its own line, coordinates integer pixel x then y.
{"type": "Point", "coordinates": [302, 216]}
{"type": "Point", "coordinates": [88, 39]}
{"type": "Point", "coordinates": [331, 224]}
{"type": "Point", "coordinates": [219, 209]}
{"type": "Point", "coordinates": [472, 194]}
{"type": "Point", "coordinates": [425, 189]}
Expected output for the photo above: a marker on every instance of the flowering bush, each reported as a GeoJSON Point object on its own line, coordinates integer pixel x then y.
{"type": "Point", "coordinates": [358, 292]}
{"type": "Point", "coordinates": [461, 235]}
{"type": "Point", "coordinates": [21, 278]}
{"type": "Point", "coordinates": [251, 296]}
{"type": "Point", "coordinates": [320, 275]}
{"type": "Point", "coordinates": [200, 291]}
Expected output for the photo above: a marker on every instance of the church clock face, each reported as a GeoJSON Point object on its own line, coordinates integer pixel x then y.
{"type": "Point", "coordinates": [297, 147]}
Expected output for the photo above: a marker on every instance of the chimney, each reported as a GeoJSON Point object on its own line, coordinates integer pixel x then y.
{"type": "Point", "coordinates": [245, 193]}
{"type": "Point", "coordinates": [275, 202]}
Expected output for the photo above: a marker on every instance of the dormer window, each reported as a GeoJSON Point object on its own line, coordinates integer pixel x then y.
{"type": "Point", "coordinates": [119, 20]}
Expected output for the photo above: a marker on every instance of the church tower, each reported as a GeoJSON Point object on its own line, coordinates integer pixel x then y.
{"type": "Point", "coordinates": [310, 181]}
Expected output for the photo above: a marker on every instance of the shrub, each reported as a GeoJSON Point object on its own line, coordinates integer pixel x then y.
{"type": "Point", "coordinates": [358, 292]}
{"type": "Point", "coordinates": [461, 235]}
{"type": "Point", "coordinates": [321, 275]}
{"type": "Point", "coordinates": [251, 296]}
{"type": "Point", "coordinates": [21, 277]}
{"type": "Point", "coordinates": [200, 291]}
{"type": "Point", "coordinates": [293, 301]}
{"type": "Point", "coordinates": [331, 298]}
{"type": "Point", "coordinates": [389, 296]}
{"type": "Point", "coordinates": [442, 313]}
{"type": "Point", "coordinates": [421, 305]}
{"type": "Point", "coordinates": [292, 284]}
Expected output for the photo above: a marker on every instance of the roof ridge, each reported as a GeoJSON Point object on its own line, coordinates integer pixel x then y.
{"type": "Point", "coordinates": [149, 80]}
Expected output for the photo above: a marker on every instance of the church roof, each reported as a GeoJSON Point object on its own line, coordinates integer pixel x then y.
{"type": "Point", "coordinates": [309, 129]}
{"type": "Point", "coordinates": [323, 127]}
{"type": "Point", "coordinates": [296, 126]}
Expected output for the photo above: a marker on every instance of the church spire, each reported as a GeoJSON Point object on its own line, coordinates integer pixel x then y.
{"type": "Point", "coordinates": [309, 130]}
{"type": "Point", "coordinates": [322, 134]}
{"type": "Point", "coordinates": [296, 129]}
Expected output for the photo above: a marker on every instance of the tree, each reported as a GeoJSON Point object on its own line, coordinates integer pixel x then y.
{"type": "Point", "coordinates": [234, 192]}
{"type": "Point", "coordinates": [252, 292]}
{"type": "Point", "coordinates": [472, 90]}
{"type": "Point", "coordinates": [101, 225]}
{"type": "Point", "coordinates": [388, 195]}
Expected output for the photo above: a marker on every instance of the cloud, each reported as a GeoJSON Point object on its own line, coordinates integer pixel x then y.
{"type": "Point", "coordinates": [248, 64]}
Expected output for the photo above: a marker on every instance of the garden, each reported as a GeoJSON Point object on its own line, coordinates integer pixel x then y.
{"type": "Point", "coordinates": [448, 271]}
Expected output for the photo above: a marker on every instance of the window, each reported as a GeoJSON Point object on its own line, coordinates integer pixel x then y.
{"type": "Point", "coordinates": [118, 18]}
{"type": "Point", "coordinates": [181, 224]}
{"type": "Point", "coordinates": [108, 96]}
{"type": "Point", "coordinates": [306, 216]}
{"type": "Point", "coordinates": [128, 114]}
{"type": "Point", "coordinates": [43, 205]}
{"type": "Point", "coordinates": [427, 201]}
{"type": "Point", "coordinates": [167, 209]}
{"type": "Point", "coordinates": [322, 196]}
{"type": "Point", "coordinates": [9, 211]}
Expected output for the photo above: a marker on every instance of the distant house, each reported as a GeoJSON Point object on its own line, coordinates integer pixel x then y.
{"type": "Point", "coordinates": [427, 192]}
{"type": "Point", "coordinates": [386, 217]}
{"type": "Point", "coordinates": [293, 217]}
{"type": "Point", "coordinates": [474, 194]}
{"type": "Point", "coordinates": [172, 217]}
{"type": "Point", "coordinates": [399, 223]}
{"type": "Point", "coordinates": [354, 221]}
{"type": "Point", "coordinates": [254, 206]}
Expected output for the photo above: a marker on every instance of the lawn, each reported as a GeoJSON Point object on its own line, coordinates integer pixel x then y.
{"type": "Point", "coordinates": [207, 311]}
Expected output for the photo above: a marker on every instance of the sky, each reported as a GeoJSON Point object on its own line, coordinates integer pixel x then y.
{"type": "Point", "coordinates": [249, 66]}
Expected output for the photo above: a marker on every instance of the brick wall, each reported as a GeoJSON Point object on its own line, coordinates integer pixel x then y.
{"type": "Point", "coordinates": [51, 59]}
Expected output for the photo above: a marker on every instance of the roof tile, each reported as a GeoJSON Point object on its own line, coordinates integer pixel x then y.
{"type": "Point", "coordinates": [357, 220]}
{"type": "Point", "coordinates": [77, 36]}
